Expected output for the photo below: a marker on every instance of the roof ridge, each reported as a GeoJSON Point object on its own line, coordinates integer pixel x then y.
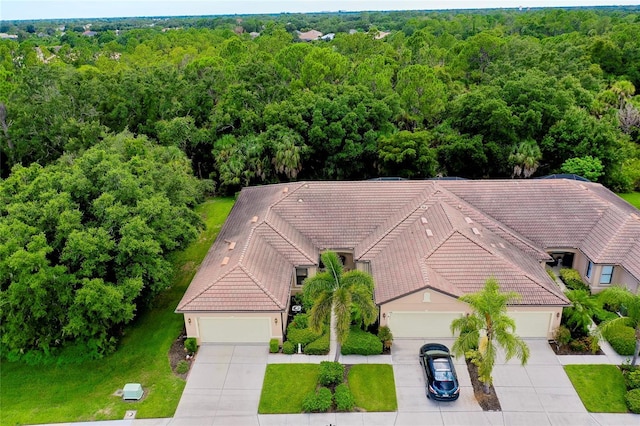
{"type": "Point", "coordinates": [263, 288]}
{"type": "Point", "coordinates": [284, 237]}
{"type": "Point", "coordinates": [428, 192]}
{"type": "Point", "coordinates": [494, 222]}
{"type": "Point", "coordinates": [205, 288]}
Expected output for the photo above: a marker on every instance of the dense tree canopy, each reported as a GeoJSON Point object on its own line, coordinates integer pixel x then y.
{"type": "Point", "coordinates": [83, 240]}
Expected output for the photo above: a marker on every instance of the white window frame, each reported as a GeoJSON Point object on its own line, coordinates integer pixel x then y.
{"type": "Point", "coordinates": [604, 275]}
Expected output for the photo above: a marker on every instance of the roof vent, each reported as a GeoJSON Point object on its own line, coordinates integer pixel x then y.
{"type": "Point", "coordinates": [232, 245]}
{"type": "Point", "coordinates": [493, 245]}
{"type": "Point", "coordinates": [285, 190]}
{"type": "Point", "coordinates": [225, 261]}
{"type": "Point", "coordinates": [502, 245]}
{"type": "Point", "coordinates": [468, 220]}
{"type": "Point", "coordinates": [424, 219]}
{"type": "Point", "coordinates": [635, 216]}
{"type": "Point", "coordinates": [424, 207]}
{"type": "Point", "coordinates": [299, 200]}
{"type": "Point", "coordinates": [475, 231]}
{"type": "Point", "coordinates": [429, 233]}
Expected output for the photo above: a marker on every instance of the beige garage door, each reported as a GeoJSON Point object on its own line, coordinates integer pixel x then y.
{"type": "Point", "coordinates": [532, 324]}
{"type": "Point", "coordinates": [422, 324]}
{"type": "Point", "coordinates": [234, 330]}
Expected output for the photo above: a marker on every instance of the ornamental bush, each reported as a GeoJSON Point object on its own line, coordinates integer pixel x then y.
{"type": "Point", "coordinates": [572, 279]}
{"type": "Point", "coordinates": [274, 346]}
{"type": "Point", "coordinates": [303, 336]}
{"type": "Point", "coordinates": [633, 400]}
{"type": "Point", "coordinates": [320, 346]}
{"type": "Point", "coordinates": [288, 348]}
{"type": "Point", "coordinates": [317, 402]}
{"type": "Point", "coordinates": [360, 342]}
{"type": "Point", "coordinates": [344, 398]}
{"type": "Point", "coordinates": [331, 373]}
{"type": "Point", "coordinates": [300, 321]}
{"type": "Point", "coordinates": [182, 367]}
{"type": "Point", "coordinates": [622, 340]}
{"type": "Point", "coordinates": [633, 380]}
{"type": "Point", "coordinates": [191, 345]}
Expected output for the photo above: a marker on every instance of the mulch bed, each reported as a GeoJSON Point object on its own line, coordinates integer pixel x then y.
{"type": "Point", "coordinates": [566, 350]}
{"type": "Point", "coordinates": [177, 353]}
{"type": "Point", "coordinates": [488, 401]}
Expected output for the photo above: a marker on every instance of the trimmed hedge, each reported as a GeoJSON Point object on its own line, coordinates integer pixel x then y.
{"type": "Point", "coordinates": [300, 321]}
{"type": "Point", "coordinates": [319, 346]}
{"type": "Point", "coordinates": [317, 402]}
{"type": "Point", "coordinates": [633, 400]}
{"type": "Point", "coordinates": [288, 348]}
{"type": "Point", "coordinates": [274, 346]}
{"type": "Point", "coordinates": [344, 398]}
{"type": "Point", "coordinates": [359, 342]}
{"type": "Point", "coordinates": [191, 345]}
{"type": "Point", "coordinates": [303, 336]}
{"type": "Point", "coordinates": [633, 379]}
{"type": "Point", "coordinates": [622, 340]}
{"type": "Point", "coordinates": [572, 279]}
{"type": "Point", "coordinates": [331, 373]}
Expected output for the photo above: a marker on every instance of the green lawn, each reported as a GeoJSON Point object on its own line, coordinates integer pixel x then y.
{"type": "Point", "coordinates": [373, 387]}
{"type": "Point", "coordinates": [285, 386]}
{"type": "Point", "coordinates": [632, 198]}
{"type": "Point", "coordinates": [600, 387]}
{"type": "Point", "coordinates": [53, 394]}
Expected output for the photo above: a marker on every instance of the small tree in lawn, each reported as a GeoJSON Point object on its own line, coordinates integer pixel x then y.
{"type": "Point", "coordinates": [623, 298]}
{"type": "Point", "coordinates": [338, 292]}
{"type": "Point", "coordinates": [489, 317]}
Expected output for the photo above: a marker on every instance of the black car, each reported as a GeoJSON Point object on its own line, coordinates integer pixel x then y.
{"type": "Point", "coordinates": [439, 372]}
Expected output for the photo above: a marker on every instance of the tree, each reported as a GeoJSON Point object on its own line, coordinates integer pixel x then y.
{"type": "Point", "coordinates": [335, 293]}
{"type": "Point", "coordinates": [582, 309]}
{"type": "Point", "coordinates": [588, 167]}
{"type": "Point", "coordinates": [629, 306]}
{"type": "Point", "coordinates": [487, 325]}
{"type": "Point", "coordinates": [525, 159]}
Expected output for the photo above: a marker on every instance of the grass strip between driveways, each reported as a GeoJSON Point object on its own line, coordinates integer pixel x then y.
{"type": "Point", "coordinates": [373, 387]}
{"type": "Point", "coordinates": [69, 393]}
{"type": "Point", "coordinates": [600, 387]}
{"type": "Point", "coordinates": [285, 386]}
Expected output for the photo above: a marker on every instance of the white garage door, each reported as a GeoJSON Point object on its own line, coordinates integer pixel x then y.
{"type": "Point", "coordinates": [422, 324]}
{"type": "Point", "coordinates": [532, 324]}
{"type": "Point", "coordinates": [235, 330]}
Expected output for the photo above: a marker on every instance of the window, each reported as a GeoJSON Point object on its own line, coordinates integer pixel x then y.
{"type": "Point", "coordinates": [301, 275]}
{"type": "Point", "coordinates": [589, 269]}
{"type": "Point", "coordinates": [606, 275]}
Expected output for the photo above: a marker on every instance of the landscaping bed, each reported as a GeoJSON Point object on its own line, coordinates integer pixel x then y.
{"type": "Point", "coordinates": [488, 401]}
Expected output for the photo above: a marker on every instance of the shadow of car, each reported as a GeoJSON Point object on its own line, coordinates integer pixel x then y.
{"type": "Point", "coordinates": [439, 373]}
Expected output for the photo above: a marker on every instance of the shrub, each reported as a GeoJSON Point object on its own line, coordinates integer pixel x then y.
{"type": "Point", "coordinates": [182, 367]}
{"type": "Point", "coordinates": [319, 346]}
{"type": "Point", "coordinates": [578, 345]}
{"type": "Point", "coordinates": [633, 380]}
{"type": "Point", "coordinates": [288, 348]}
{"type": "Point", "coordinates": [317, 402]}
{"type": "Point", "coordinates": [562, 335]}
{"type": "Point", "coordinates": [622, 340]}
{"type": "Point", "coordinates": [602, 315]}
{"type": "Point", "coordinates": [572, 279]}
{"type": "Point", "coordinates": [331, 373]}
{"type": "Point", "coordinates": [191, 345]}
{"type": "Point", "coordinates": [303, 336]}
{"type": "Point", "coordinates": [633, 400]}
{"type": "Point", "coordinates": [300, 321]}
{"type": "Point", "coordinates": [344, 398]}
{"type": "Point", "coordinates": [274, 346]}
{"type": "Point", "coordinates": [360, 342]}
{"type": "Point", "coordinates": [385, 336]}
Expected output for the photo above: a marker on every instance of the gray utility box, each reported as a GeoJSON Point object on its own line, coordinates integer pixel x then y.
{"type": "Point", "coordinates": [132, 391]}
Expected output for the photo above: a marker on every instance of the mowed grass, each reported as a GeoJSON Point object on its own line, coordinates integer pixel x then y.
{"type": "Point", "coordinates": [600, 387]}
{"type": "Point", "coordinates": [373, 387]}
{"type": "Point", "coordinates": [632, 198]}
{"type": "Point", "coordinates": [285, 386]}
{"type": "Point", "coordinates": [69, 393]}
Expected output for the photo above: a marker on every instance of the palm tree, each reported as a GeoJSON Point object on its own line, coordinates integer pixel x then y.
{"type": "Point", "coordinates": [335, 293]}
{"type": "Point", "coordinates": [525, 159]}
{"type": "Point", "coordinates": [490, 321]}
{"type": "Point", "coordinates": [582, 309]}
{"type": "Point", "coordinates": [620, 296]}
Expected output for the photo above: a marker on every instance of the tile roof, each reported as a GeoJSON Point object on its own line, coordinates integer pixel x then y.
{"type": "Point", "coordinates": [447, 235]}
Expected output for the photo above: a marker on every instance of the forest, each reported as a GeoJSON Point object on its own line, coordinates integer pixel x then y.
{"type": "Point", "coordinates": [112, 130]}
